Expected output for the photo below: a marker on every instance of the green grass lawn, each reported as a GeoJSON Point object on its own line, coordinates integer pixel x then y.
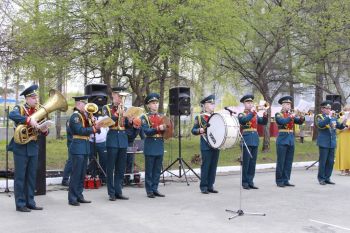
{"type": "Point", "coordinates": [57, 153]}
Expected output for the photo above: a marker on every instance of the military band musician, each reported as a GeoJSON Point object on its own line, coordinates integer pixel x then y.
{"type": "Point", "coordinates": [249, 121]}
{"type": "Point", "coordinates": [210, 156]}
{"type": "Point", "coordinates": [26, 155]}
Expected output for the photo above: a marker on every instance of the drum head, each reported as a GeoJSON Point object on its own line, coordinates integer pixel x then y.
{"type": "Point", "coordinates": [216, 132]}
{"type": "Point", "coordinates": [223, 131]}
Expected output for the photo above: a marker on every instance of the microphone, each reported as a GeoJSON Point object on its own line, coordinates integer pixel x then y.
{"type": "Point", "coordinates": [230, 111]}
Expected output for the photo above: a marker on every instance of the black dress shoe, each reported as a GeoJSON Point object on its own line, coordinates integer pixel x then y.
{"type": "Point", "coordinates": [74, 203]}
{"type": "Point", "coordinates": [65, 183]}
{"type": "Point", "coordinates": [121, 197]}
{"type": "Point", "coordinates": [281, 185]}
{"type": "Point", "coordinates": [213, 191]}
{"type": "Point", "coordinates": [112, 198]}
{"type": "Point", "coordinates": [150, 195]}
{"type": "Point", "coordinates": [289, 184]}
{"type": "Point", "coordinates": [329, 182]}
{"type": "Point", "coordinates": [23, 209]}
{"type": "Point", "coordinates": [205, 192]}
{"type": "Point", "coordinates": [246, 187]}
{"type": "Point", "coordinates": [158, 194]}
{"type": "Point", "coordinates": [83, 201]}
{"type": "Point", "coordinates": [322, 183]}
{"type": "Point", "coordinates": [35, 207]}
{"type": "Point", "coordinates": [253, 187]}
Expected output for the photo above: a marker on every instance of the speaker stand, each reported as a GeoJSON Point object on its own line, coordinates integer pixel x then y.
{"type": "Point", "coordinates": [180, 160]}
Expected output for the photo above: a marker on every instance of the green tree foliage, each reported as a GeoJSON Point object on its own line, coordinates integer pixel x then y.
{"type": "Point", "coordinates": [222, 46]}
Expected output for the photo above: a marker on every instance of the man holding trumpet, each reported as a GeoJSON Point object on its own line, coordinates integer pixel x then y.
{"type": "Point", "coordinates": [249, 121]}
{"type": "Point", "coordinates": [326, 140]}
{"type": "Point", "coordinates": [285, 141]}
{"type": "Point", "coordinates": [117, 143]}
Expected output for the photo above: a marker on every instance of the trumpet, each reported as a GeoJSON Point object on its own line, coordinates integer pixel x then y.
{"type": "Point", "coordinates": [120, 109]}
{"type": "Point", "coordinates": [300, 113]}
{"type": "Point", "coordinates": [339, 114]}
{"type": "Point", "coordinates": [262, 106]}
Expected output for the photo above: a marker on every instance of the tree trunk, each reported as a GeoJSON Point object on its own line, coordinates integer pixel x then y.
{"type": "Point", "coordinates": [162, 84]}
{"type": "Point", "coordinates": [5, 98]}
{"type": "Point", "coordinates": [85, 70]}
{"type": "Point", "coordinates": [42, 89]}
{"type": "Point", "coordinates": [320, 75]}
{"type": "Point", "coordinates": [58, 113]}
{"type": "Point", "coordinates": [107, 80]}
{"type": "Point", "coordinates": [17, 86]}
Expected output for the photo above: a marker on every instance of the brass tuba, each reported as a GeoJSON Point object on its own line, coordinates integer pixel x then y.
{"type": "Point", "coordinates": [25, 133]}
{"type": "Point", "coordinates": [91, 108]}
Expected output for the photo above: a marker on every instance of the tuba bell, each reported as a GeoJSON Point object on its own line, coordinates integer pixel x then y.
{"type": "Point", "coordinates": [91, 108]}
{"type": "Point", "coordinates": [25, 133]}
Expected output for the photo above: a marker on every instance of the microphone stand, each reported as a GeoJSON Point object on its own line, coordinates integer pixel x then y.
{"type": "Point", "coordinates": [240, 212]}
{"type": "Point", "coordinates": [313, 164]}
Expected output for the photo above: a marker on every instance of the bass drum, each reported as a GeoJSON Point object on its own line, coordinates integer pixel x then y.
{"type": "Point", "coordinates": [223, 131]}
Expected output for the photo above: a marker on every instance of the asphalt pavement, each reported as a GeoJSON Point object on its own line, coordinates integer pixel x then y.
{"type": "Point", "coordinates": [307, 207]}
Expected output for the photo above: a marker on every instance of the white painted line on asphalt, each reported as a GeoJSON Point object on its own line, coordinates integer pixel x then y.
{"type": "Point", "coordinates": [324, 223]}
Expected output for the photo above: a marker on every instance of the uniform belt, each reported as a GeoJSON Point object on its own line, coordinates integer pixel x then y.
{"type": "Point", "coordinates": [249, 130]}
{"type": "Point", "coordinates": [81, 137]}
{"type": "Point", "coordinates": [117, 128]}
{"type": "Point", "coordinates": [285, 131]}
{"type": "Point", "coordinates": [156, 136]}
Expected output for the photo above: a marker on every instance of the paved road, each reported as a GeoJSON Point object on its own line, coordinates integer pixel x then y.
{"type": "Point", "coordinates": [308, 207]}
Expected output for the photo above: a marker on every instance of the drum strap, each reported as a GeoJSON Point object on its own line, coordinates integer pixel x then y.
{"type": "Point", "coordinates": [201, 125]}
{"type": "Point", "coordinates": [200, 122]}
